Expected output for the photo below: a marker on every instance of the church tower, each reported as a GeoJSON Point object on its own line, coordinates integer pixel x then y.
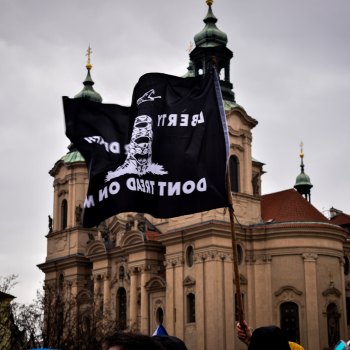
{"type": "Point", "coordinates": [211, 50]}
{"type": "Point", "coordinates": [302, 183]}
{"type": "Point", "coordinates": [140, 271]}
{"type": "Point", "coordinates": [67, 269]}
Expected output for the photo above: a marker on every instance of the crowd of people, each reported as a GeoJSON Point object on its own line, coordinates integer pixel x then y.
{"type": "Point", "coordinates": [136, 341]}
{"type": "Point", "coordinates": [263, 338]}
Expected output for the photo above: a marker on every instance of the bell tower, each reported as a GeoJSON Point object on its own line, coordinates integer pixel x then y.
{"type": "Point", "coordinates": [66, 268]}
{"type": "Point", "coordinates": [302, 183]}
{"type": "Point", "coordinates": [211, 49]}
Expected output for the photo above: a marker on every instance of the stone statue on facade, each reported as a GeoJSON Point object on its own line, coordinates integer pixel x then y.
{"type": "Point", "coordinates": [50, 224]}
{"type": "Point", "coordinates": [78, 215]}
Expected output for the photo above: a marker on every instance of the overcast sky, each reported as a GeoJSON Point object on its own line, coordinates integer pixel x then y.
{"type": "Point", "coordinates": [290, 71]}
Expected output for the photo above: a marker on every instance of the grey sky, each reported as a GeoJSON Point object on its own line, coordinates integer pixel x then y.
{"type": "Point", "coordinates": [290, 72]}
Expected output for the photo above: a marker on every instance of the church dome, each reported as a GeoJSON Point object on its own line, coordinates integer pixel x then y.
{"type": "Point", "coordinates": [302, 183]}
{"type": "Point", "coordinates": [73, 156]}
{"type": "Point", "coordinates": [303, 180]}
{"type": "Point", "coordinates": [210, 35]}
{"type": "Point", "coordinates": [88, 91]}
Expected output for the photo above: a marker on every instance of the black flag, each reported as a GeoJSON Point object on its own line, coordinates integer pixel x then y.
{"type": "Point", "coordinates": [166, 155]}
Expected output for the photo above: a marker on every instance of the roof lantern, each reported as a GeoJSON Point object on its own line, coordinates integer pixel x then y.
{"type": "Point", "coordinates": [88, 91]}
{"type": "Point", "coordinates": [302, 183]}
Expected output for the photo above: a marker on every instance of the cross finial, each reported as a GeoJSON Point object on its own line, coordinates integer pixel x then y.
{"type": "Point", "coordinates": [209, 2]}
{"type": "Point", "coordinates": [190, 47]}
{"type": "Point", "coordinates": [301, 149]}
{"type": "Point", "coordinates": [88, 54]}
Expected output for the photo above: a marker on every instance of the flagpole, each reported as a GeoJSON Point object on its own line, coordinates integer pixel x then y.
{"type": "Point", "coordinates": [240, 310]}
{"type": "Point", "coordinates": [230, 209]}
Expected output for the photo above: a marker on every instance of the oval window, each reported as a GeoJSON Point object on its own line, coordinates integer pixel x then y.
{"type": "Point", "coordinates": [189, 256]}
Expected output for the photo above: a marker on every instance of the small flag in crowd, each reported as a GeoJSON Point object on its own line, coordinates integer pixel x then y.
{"type": "Point", "coordinates": [160, 330]}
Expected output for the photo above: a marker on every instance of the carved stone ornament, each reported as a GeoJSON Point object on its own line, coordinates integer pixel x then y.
{"type": "Point", "coordinates": [311, 257]}
{"type": "Point", "coordinates": [189, 281]}
{"type": "Point", "coordinates": [332, 291]}
{"type": "Point", "coordinates": [290, 290]}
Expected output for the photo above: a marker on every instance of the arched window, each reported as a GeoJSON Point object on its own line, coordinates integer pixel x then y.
{"type": "Point", "coordinates": [160, 315]}
{"type": "Point", "coordinates": [64, 214]}
{"type": "Point", "coordinates": [191, 308]}
{"type": "Point", "coordinates": [234, 174]}
{"type": "Point", "coordinates": [239, 254]}
{"type": "Point", "coordinates": [289, 315]}
{"type": "Point", "coordinates": [333, 324]}
{"type": "Point", "coordinates": [121, 308]}
{"type": "Point", "coordinates": [189, 256]}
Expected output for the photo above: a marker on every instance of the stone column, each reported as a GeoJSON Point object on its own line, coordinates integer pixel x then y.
{"type": "Point", "coordinates": [170, 296]}
{"type": "Point", "coordinates": [145, 272]}
{"type": "Point", "coordinates": [310, 270]}
{"type": "Point", "coordinates": [200, 301]}
{"type": "Point", "coordinates": [344, 327]}
{"type": "Point", "coordinates": [250, 309]}
{"type": "Point", "coordinates": [262, 279]}
{"type": "Point", "coordinates": [106, 294]}
{"type": "Point", "coordinates": [247, 169]}
{"type": "Point", "coordinates": [133, 299]}
{"type": "Point", "coordinates": [56, 212]}
{"type": "Point", "coordinates": [268, 301]}
{"type": "Point", "coordinates": [97, 291]}
{"type": "Point", "coordinates": [70, 203]}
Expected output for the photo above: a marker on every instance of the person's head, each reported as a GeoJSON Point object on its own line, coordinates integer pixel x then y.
{"type": "Point", "coordinates": [270, 337]}
{"type": "Point", "coordinates": [169, 342]}
{"type": "Point", "coordinates": [130, 341]}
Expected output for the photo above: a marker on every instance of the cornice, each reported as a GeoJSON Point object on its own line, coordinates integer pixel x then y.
{"type": "Point", "coordinates": [156, 284]}
{"type": "Point", "coordinates": [331, 291]}
{"type": "Point", "coordinates": [286, 289]}
{"type": "Point", "coordinates": [197, 231]}
{"type": "Point", "coordinates": [237, 108]}
{"type": "Point", "coordinates": [298, 229]}
{"type": "Point", "coordinates": [64, 263]}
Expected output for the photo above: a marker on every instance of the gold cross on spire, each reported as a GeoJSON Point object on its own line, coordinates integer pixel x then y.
{"type": "Point", "coordinates": [301, 149]}
{"type": "Point", "coordinates": [209, 2]}
{"type": "Point", "coordinates": [88, 54]}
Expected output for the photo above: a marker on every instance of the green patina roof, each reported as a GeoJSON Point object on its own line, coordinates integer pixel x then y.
{"type": "Point", "coordinates": [228, 105]}
{"type": "Point", "coordinates": [88, 91]}
{"type": "Point", "coordinates": [303, 180]}
{"type": "Point", "coordinates": [73, 157]}
{"type": "Point", "coordinates": [210, 35]}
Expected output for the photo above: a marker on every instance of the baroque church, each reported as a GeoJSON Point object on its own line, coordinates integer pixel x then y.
{"type": "Point", "coordinates": [142, 272]}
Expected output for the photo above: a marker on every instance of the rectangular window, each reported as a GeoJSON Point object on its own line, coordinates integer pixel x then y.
{"type": "Point", "coordinates": [191, 308]}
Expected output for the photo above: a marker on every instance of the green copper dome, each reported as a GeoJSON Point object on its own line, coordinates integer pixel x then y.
{"type": "Point", "coordinates": [88, 91]}
{"type": "Point", "coordinates": [210, 35]}
{"type": "Point", "coordinates": [302, 183]}
{"type": "Point", "coordinates": [73, 156]}
{"type": "Point", "coordinates": [302, 180]}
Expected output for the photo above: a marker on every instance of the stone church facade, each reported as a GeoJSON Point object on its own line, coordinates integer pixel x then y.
{"type": "Point", "coordinates": [142, 271]}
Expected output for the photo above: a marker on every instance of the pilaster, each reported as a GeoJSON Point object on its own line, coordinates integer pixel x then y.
{"type": "Point", "coordinates": [310, 270]}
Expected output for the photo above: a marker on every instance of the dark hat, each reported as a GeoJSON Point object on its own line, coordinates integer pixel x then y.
{"type": "Point", "coordinates": [270, 337]}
